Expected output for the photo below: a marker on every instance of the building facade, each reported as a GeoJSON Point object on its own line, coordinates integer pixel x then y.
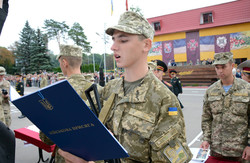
{"type": "Point", "coordinates": [192, 36]}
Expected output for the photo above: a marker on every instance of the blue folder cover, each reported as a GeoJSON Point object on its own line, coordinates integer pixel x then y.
{"type": "Point", "coordinates": [59, 112]}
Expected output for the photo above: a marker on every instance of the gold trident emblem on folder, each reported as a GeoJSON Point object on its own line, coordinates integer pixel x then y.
{"type": "Point", "coordinates": [46, 104]}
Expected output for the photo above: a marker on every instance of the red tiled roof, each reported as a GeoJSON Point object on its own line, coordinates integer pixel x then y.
{"type": "Point", "coordinates": [223, 14]}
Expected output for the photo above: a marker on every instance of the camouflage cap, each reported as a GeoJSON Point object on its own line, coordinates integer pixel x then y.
{"type": "Point", "coordinates": [70, 50]}
{"type": "Point", "coordinates": [2, 71]}
{"type": "Point", "coordinates": [133, 23]}
{"type": "Point", "coordinates": [222, 58]}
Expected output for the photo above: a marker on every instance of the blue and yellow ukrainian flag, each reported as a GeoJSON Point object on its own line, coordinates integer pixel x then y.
{"type": "Point", "coordinates": [112, 7]}
{"type": "Point", "coordinates": [172, 111]}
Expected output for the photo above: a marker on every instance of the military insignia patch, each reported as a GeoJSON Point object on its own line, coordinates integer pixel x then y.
{"type": "Point", "coordinates": [172, 111]}
{"type": "Point", "coordinates": [176, 153]}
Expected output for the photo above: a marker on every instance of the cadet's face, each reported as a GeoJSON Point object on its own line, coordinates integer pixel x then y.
{"type": "Point", "coordinates": [158, 74]}
{"type": "Point", "coordinates": [127, 49]}
{"type": "Point", "coordinates": [224, 71]}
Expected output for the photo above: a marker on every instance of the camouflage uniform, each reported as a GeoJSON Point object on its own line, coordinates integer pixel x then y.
{"type": "Point", "coordinates": [2, 118]}
{"type": "Point", "coordinates": [225, 118]}
{"type": "Point", "coordinates": [5, 102]}
{"type": "Point", "coordinates": [141, 121]}
{"type": "Point", "coordinates": [79, 84]}
{"type": "Point", "coordinates": [44, 82]}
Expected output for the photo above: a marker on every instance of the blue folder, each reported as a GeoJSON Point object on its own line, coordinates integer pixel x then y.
{"type": "Point", "coordinates": [59, 112]}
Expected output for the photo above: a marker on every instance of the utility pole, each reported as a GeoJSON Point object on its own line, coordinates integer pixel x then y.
{"type": "Point", "coordinates": [105, 39]}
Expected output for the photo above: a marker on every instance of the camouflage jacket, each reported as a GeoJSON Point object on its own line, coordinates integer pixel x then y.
{"type": "Point", "coordinates": [143, 124]}
{"type": "Point", "coordinates": [79, 83]}
{"type": "Point", "coordinates": [225, 118]}
{"type": "Point", "coordinates": [44, 82]}
{"type": "Point", "coordinates": [5, 104]}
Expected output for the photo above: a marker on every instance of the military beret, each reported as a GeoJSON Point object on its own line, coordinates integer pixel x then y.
{"type": "Point", "coordinates": [133, 23]}
{"type": "Point", "coordinates": [222, 58]}
{"type": "Point", "coordinates": [245, 66]}
{"type": "Point", "coordinates": [70, 50]}
{"type": "Point", "coordinates": [173, 71]}
{"type": "Point", "coordinates": [2, 71]}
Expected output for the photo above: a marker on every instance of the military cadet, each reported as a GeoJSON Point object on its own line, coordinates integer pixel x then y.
{"type": "Point", "coordinates": [44, 81]}
{"type": "Point", "coordinates": [176, 83]}
{"type": "Point", "coordinates": [245, 70]}
{"type": "Point", "coordinates": [70, 59]}
{"type": "Point", "coordinates": [20, 89]}
{"type": "Point", "coordinates": [160, 69]}
{"type": "Point", "coordinates": [226, 112]}
{"type": "Point", "coordinates": [4, 96]}
{"type": "Point", "coordinates": [141, 112]}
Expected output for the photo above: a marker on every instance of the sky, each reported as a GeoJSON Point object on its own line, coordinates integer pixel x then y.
{"type": "Point", "coordinates": [93, 15]}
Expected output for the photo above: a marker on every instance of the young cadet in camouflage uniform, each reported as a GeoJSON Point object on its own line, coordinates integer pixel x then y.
{"type": "Point", "coordinates": [226, 112]}
{"type": "Point", "coordinates": [4, 99]}
{"type": "Point", "coordinates": [142, 113]}
{"type": "Point", "coordinates": [70, 60]}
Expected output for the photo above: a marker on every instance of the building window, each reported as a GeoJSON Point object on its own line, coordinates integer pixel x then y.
{"type": "Point", "coordinates": [206, 18]}
{"type": "Point", "coordinates": [157, 26]}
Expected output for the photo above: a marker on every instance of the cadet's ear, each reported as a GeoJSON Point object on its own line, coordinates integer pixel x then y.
{"type": "Point", "coordinates": [147, 44]}
{"type": "Point", "coordinates": [65, 62]}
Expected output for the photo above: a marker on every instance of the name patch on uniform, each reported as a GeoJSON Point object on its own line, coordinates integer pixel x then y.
{"type": "Point", "coordinates": [172, 111]}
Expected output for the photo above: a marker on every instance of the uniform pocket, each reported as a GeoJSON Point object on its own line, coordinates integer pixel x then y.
{"type": "Point", "coordinates": [139, 123]}
{"type": "Point", "coordinates": [240, 105]}
{"type": "Point", "coordinates": [215, 103]}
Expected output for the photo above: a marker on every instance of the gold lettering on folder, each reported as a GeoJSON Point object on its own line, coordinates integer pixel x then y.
{"type": "Point", "coordinates": [46, 104]}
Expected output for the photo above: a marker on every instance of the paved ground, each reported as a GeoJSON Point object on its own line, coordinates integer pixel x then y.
{"type": "Point", "coordinates": [191, 98]}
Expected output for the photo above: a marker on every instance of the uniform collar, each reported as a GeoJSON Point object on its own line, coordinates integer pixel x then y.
{"type": "Point", "coordinates": [138, 94]}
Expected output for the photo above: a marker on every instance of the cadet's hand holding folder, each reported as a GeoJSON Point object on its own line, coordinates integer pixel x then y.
{"type": "Point", "coordinates": [63, 116]}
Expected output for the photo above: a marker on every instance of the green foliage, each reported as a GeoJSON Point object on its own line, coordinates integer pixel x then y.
{"type": "Point", "coordinates": [55, 29]}
{"type": "Point", "coordinates": [31, 51]}
{"type": "Point", "coordinates": [89, 68]}
{"type": "Point", "coordinates": [40, 60]}
{"type": "Point", "coordinates": [137, 10]}
{"type": "Point", "coordinates": [24, 49]}
{"type": "Point", "coordinates": [76, 33]}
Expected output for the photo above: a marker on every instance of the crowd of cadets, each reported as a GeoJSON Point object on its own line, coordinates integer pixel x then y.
{"type": "Point", "coordinates": [34, 80]}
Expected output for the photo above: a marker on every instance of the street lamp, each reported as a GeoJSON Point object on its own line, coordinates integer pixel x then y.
{"type": "Point", "coordinates": [105, 39]}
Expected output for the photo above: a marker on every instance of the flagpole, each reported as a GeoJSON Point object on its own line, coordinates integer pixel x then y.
{"type": "Point", "coordinates": [126, 5]}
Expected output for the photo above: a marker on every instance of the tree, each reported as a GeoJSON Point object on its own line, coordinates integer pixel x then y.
{"type": "Point", "coordinates": [55, 29]}
{"type": "Point", "coordinates": [7, 59]}
{"type": "Point", "coordinates": [76, 33]}
{"type": "Point", "coordinates": [24, 48]}
{"type": "Point", "coordinates": [40, 60]}
{"type": "Point", "coordinates": [137, 10]}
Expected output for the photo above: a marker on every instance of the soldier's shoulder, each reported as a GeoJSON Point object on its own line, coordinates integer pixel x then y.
{"type": "Point", "coordinates": [6, 83]}
{"type": "Point", "coordinates": [242, 83]}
